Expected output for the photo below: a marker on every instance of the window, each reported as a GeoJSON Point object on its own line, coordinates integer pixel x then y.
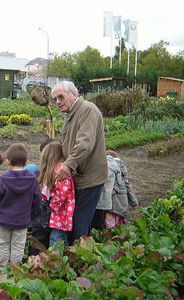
{"type": "Point", "coordinates": [7, 77]}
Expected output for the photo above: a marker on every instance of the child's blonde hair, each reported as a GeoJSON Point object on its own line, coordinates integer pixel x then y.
{"type": "Point", "coordinates": [51, 155]}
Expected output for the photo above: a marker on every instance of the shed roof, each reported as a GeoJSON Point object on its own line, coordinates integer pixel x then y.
{"type": "Point", "coordinates": [171, 78]}
{"type": "Point", "coordinates": [106, 79]}
{"type": "Point", "coordinates": [13, 63]}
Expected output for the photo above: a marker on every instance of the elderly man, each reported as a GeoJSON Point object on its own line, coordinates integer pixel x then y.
{"type": "Point", "coordinates": [83, 143]}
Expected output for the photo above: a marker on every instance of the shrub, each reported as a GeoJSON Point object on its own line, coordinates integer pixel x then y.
{"type": "Point", "coordinates": [165, 148]}
{"type": "Point", "coordinates": [21, 119]}
{"type": "Point", "coordinates": [9, 131]}
{"type": "Point", "coordinates": [156, 109]}
{"type": "Point", "coordinates": [119, 122]}
{"type": "Point", "coordinates": [120, 103]}
{"type": "Point", "coordinates": [3, 120]}
{"type": "Point", "coordinates": [24, 96]}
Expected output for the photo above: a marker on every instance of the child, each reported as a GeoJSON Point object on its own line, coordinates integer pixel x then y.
{"type": "Point", "coordinates": [19, 193]}
{"type": "Point", "coordinates": [37, 232]}
{"type": "Point", "coordinates": [132, 200]}
{"type": "Point", "coordinates": [117, 193]}
{"type": "Point", "coordinates": [33, 169]}
{"type": "Point", "coordinates": [45, 143]}
{"type": "Point", "coordinates": [1, 158]}
{"type": "Point", "coordinates": [60, 193]}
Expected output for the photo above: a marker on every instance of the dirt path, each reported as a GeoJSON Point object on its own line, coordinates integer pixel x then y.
{"type": "Point", "coordinates": [152, 177]}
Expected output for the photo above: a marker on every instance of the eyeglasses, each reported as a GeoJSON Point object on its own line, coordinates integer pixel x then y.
{"type": "Point", "coordinates": [60, 97]}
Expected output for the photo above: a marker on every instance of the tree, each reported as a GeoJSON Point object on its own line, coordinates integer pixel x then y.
{"type": "Point", "coordinates": [117, 49]}
{"type": "Point", "coordinates": [154, 62]}
{"type": "Point", "coordinates": [89, 64]}
{"type": "Point", "coordinates": [62, 66]}
{"type": "Point", "coordinates": [177, 65]}
{"type": "Point", "coordinates": [157, 59]}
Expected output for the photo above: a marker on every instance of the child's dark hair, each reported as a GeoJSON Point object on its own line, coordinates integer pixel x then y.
{"type": "Point", "coordinates": [51, 155]}
{"type": "Point", "coordinates": [45, 143]}
{"type": "Point", "coordinates": [1, 158]}
{"type": "Point", "coordinates": [112, 153]}
{"type": "Point", "coordinates": [17, 155]}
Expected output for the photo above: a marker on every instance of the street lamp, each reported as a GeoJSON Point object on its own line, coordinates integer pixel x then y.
{"type": "Point", "coordinates": [47, 35]}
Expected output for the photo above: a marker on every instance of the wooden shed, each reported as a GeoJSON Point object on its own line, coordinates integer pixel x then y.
{"type": "Point", "coordinates": [6, 83]}
{"type": "Point", "coordinates": [9, 68]}
{"type": "Point", "coordinates": [170, 86]}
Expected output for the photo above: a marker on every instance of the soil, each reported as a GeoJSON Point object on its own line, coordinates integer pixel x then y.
{"type": "Point", "coordinates": [150, 177]}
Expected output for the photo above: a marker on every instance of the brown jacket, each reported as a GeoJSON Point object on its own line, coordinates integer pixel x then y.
{"type": "Point", "coordinates": [83, 144]}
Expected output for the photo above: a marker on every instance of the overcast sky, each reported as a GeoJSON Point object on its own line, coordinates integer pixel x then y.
{"type": "Point", "coordinates": [74, 24]}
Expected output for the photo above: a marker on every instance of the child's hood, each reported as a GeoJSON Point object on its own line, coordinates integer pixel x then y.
{"type": "Point", "coordinates": [18, 181]}
{"type": "Point", "coordinates": [112, 164]}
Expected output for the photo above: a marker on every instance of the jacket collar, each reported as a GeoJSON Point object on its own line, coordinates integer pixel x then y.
{"type": "Point", "coordinates": [74, 108]}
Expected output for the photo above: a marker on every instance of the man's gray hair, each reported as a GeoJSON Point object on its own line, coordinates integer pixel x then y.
{"type": "Point", "coordinates": [69, 86]}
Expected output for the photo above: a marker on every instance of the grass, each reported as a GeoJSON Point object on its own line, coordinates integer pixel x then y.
{"type": "Point", "coordinates": [133, 138]}
{"type": "Point", "coordinates": [12, 107]}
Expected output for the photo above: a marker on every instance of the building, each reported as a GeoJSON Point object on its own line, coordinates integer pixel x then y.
{"type": "Point", "coordinates": [17, 73]}
{"type": "Point", "coordinates": [109, 84]}
{"type": "Point", "coordinates": [36, 69]}
{"type": "Point", "coordinates": [11, 69]}
{"type": "Point", "coordinates": [170, 86]}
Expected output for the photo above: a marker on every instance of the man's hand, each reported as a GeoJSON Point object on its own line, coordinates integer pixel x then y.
{"type": "Point", "coordinates": [63, 172]}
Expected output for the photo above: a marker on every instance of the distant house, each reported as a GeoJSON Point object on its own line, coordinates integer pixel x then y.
{"type": "Point", "coordinates": [37, 65]}
{"type": "Point", "coordinates": [10, 67]}
{"type": "Point", "coordinates": [170, 86]}
{"type": "Point", "coordinates": [37, 73]}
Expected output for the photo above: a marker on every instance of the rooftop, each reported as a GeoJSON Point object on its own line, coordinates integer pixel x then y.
{"type": "Point", "coordinates": [13, 63]}
{"type": "Point", "coordinates": [171, 78]}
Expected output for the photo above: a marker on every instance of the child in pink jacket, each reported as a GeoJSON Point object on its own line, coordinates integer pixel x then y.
{"type": "Point", "coordinates": [61, 194]}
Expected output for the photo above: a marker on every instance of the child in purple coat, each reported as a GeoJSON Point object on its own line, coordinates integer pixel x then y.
{"type": "Point", "coordinates": [19, 193]}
